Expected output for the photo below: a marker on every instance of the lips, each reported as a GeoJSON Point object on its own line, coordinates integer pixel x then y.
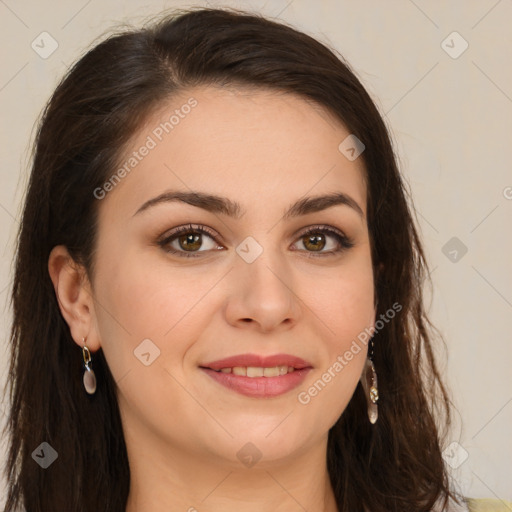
{"type": "Point", "coordinates": [294, 372]}
{"type": "Point", "coordinates": [254, 360]}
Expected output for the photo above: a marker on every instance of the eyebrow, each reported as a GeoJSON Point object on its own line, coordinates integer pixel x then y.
{"type": "Point", "coordinates": [223, 205]}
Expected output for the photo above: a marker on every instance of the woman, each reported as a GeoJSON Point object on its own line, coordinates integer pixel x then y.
{"type": "Point", "coordinates": [217, 298]}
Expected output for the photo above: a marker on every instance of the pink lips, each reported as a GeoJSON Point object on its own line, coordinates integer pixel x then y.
{"type": "Point", "coordinates": [259, 387]}
{"type": "Point", "coordinates": [258, 361]}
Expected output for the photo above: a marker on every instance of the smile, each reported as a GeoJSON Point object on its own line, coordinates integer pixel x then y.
{"type": "Point", "coordinates": [255, 371]}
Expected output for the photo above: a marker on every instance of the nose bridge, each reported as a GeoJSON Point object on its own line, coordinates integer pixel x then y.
{"type": "Point", "coordinates": [266, 272]}
{"type": "Point", "coordinates": [263, 285]}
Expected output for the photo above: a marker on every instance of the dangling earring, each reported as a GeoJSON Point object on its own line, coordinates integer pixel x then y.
{"type": "Point", "coordinates": [369, 382]}
{"type": "Point", "coordinates": [89, 376]}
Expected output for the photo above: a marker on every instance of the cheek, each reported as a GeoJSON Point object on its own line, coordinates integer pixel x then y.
{"type": "Point", "coordinates": [344, 300]}
{"type": "Point", "coordinates": [345, 305]}
{"type": "Point", "coordinates": [142, 300]}
{"type": "Point", "coordinates": [147, 322]}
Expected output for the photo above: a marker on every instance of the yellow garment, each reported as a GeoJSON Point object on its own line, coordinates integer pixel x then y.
{"type": "Point", "coordinates": [487, 505]}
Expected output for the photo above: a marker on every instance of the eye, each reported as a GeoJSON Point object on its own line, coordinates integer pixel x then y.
{"type": "Point", "coordinates": [317, 238]}
{"type": "Point", "coordinates": [187, 241]}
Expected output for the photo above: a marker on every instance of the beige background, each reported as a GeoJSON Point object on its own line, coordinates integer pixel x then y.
{"type": "Point", "coordinates": [452, 122]}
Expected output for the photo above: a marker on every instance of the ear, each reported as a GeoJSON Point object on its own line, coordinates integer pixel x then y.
{"type": "Point", "coordinates": [74, 295]}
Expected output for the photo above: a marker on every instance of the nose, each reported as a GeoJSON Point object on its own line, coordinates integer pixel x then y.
{"type": "Point", "coordinates": [263, 296]}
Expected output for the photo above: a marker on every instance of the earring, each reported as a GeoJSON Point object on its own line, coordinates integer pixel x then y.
{"type": "Point", "coordinates": [89, 376]}
{"type": "Point", "coordinates": [369, 382]}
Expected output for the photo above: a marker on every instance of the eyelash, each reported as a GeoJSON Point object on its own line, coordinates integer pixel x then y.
{"type": "Point", "coordinates": [343, 241]}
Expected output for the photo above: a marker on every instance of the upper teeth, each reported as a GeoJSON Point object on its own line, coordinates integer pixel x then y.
{"type": "Point", "coordinates": [254, 371]}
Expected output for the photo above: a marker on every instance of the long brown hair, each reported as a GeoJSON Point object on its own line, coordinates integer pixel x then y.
{"type": "Point", "coordinates": [394, 465]}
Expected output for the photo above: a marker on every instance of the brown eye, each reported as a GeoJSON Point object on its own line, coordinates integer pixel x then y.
{"type": "Point", "coordinates": [324, 241]}
{"type": "Point", "coordinates": [314, 242]}
{"type": "Point", "coordinates": [190, 242]}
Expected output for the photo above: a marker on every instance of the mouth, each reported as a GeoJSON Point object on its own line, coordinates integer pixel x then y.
{"type": "Point", "coordinates": [259, 376]}
{"type": "Point", "coordinates": [255, 371]}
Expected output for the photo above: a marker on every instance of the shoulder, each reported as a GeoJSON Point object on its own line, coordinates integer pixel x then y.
{"type": "Point", "coordinates": [488, 505]}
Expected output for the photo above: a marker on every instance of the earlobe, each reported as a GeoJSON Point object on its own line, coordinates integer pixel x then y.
{"type": "Point", "coordinates": [73, 294]}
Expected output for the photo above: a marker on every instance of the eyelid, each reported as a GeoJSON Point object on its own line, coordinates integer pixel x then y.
{"type": "Point", "coordinates": [187, 228]}
{"type": "Point", "coordinates": [320, 227]}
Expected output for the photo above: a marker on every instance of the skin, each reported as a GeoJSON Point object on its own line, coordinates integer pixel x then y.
{"type": "Point", "coordinates": [183, 430]}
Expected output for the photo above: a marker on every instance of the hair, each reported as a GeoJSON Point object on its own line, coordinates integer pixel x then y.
{"type": "Point", "coordinates": [393, 465]}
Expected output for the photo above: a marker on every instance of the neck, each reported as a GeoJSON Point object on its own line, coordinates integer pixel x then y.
{"type": "Point", "coordinates": [166, 478]}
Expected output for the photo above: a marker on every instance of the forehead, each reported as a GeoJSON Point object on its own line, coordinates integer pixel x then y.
{"type": "Point", "coordinates": [256, 146]}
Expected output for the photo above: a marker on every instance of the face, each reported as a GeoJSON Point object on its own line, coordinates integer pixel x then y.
{"type": "Point", "coordinates": [232, 269]}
